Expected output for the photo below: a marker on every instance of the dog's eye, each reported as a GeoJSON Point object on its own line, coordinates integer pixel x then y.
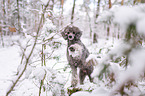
{"type": "Point", "coordinates": [73, 32]}
{"type": "Point", "coordinates": [67, 32]}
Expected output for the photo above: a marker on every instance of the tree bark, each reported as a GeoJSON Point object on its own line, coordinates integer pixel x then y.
{"type": "Point", "coordinates": [108, 28]}
{"type": "Point", "coordinates": [110, 4]}
{"type": "Point", "coordinates": [61, 23]}
{"type": "Point", "coordinates": [142, 1]}
{"type": "Point", "coordinates": [97, 11]}
{"type": "Point", "coordinates": [3, 18]}
{"type": "Point", "coordinates": [18, 14]}
{"type": "Point", "coordinates": [73, 10]}
{"type": "Point", "coordinates": [122, 2]}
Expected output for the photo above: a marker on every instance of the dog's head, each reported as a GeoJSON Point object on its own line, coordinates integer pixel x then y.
{"type": "Point", "coordinates": [75, 51]}
{"type": "Point", "coordinates": [71, 33]}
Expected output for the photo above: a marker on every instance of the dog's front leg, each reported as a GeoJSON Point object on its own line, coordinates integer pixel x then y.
{"type": "Point", "coordinates": [74, 80]}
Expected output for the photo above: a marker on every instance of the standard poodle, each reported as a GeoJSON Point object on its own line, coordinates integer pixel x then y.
{"type": "Point", "coordinates": [77, 54]}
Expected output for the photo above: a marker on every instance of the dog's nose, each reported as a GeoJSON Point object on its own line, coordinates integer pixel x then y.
{"type": "Point", "coordinates": [70, 36]}
{"type": "Point", "coordinates": [72, 49]}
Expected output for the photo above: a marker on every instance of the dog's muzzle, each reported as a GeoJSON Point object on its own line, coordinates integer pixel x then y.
{"type": "Point", "coordinates": [70, 36]}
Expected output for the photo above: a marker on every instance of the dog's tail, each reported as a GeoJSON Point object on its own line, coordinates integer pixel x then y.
{"type": "Point", "coordinates": [91, 60]}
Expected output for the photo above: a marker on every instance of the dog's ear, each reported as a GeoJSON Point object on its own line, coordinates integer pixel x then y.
{"type": "Point", "coordinates": [64, 35]}
{"type": "Point", "coordinates": [64, 32]}
{"type": "Point", "coordinates": [78, 32]}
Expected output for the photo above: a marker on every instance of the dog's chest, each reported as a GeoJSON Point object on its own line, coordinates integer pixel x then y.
{"type": "Point", "coordinates": [74, 61]}
{"type": "Point", "coordinates": [76, 55]}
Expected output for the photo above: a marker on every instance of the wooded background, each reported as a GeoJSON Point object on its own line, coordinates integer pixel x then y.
{"type": "Point", "coordinates": [20, 16]}
{"type": "Point", "coordinates": [34, 27]}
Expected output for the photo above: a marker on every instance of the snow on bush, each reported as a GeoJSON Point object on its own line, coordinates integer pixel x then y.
{"type": "Point", "coordinates": [140, 26]}
{"type": "Point", "coordinates": [131, 20]}
{"type": "Point", "coordinates": [53, 81]}
{"type": "Point", "coordinates": [96, 92]}
{"type": "Point", "coordinates": [81, 94]}
{"type": "Point", "coordinates": [125, 16]}
{"type": "Point", "coordinates": [39, 73]}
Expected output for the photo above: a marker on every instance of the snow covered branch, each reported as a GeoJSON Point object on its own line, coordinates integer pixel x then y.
{"type": "Point", "coordinates": [29, 56]}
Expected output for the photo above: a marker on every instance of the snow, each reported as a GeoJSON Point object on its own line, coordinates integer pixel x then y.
{"type": "Point", "coordinates": [78, 51]}
{"type": "Point", "coordinates": [8, 65]}
{"type": "Point", "coordinates": [125, 16]}
{"type": "Point", "coordinates": [140, 26]}
{"type": "Point", "coordinates": [128, 16]}
{"type": "Point", "coordinates": [57, 79]}
{"type": "Point", "coordinates": [39, 73]}
{"type": "Point", "coordinates": [81, 94]}
{"type": "Point", "coordinates": [91, 56]}
{"type": "Point", "coordinates": [44, 1]}
{"type": "Point", "coordinates": [96, 92]}
{"type": "Point", "coordinates": [57, 72]}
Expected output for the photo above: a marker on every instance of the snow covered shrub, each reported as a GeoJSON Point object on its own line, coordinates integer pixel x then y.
{"type": "Point", "coordinates": [130, 51]}
{"type": "Point", "coordinates": [36, 50]}
{"type": "Point", "coordinates": [49, 39]}
{"type": "Point", "coordinates": [53, 81]}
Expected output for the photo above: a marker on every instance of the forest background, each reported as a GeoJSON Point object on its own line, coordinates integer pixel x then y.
{"type": "Point", "coordinates": [33, 53]}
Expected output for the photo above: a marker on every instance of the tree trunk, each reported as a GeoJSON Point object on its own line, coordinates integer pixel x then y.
{"type": "Point", "coordinates": [61, 23]}
{"type": "Point", "coordinates": [110, 4]}
{"type": "Point", "coordinates": [95, 36]}
{"type": "Point", "coordinates": [108, 28]}
{"type": "Point", "coordinates": [139, 1]}
{"type": "Point", "coordinates": [142, 1]}
{"type": "Point", "coordinates": [3, 18]}
{"type": "Point", "coordinates": [73, 9]}
{"type": "Point", "coordinates": [122, 2]}
{"type": "Point", "coordinates": [18, 14]}
{"type": "Point", "coordinates": [98, 9]}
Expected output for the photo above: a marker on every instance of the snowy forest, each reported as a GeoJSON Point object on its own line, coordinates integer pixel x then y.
{"type": "Point", "coordinates": [33, 60]}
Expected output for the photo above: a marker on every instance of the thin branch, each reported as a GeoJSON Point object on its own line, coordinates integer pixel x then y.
{"type": "Point", "coordinates": [43, 59]}
{"type": "Point", "coordinates": [41, 83]}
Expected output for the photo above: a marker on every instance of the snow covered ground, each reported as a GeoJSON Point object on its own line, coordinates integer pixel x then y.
{"type": "Point", "coordinates": [10, 60]}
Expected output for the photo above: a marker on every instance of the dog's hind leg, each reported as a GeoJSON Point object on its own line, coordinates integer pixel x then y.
{"type": "Point", "coordinates": [90, 78]}
{"type": "Point", "coordinates": [82, 76]}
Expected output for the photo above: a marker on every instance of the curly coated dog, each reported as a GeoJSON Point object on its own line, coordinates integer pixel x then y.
{"type": "Point", "coordinates": [77, 54]}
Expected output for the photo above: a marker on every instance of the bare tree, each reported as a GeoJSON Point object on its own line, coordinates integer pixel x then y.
{"type": "Point", "coordinates": [18, 14]}
{"type": "Point", "coordinates": [108, 28]}
{"type": "Point", "coordinates": [97, 11]}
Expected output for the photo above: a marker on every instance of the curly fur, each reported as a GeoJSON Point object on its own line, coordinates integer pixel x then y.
{"type": "Point", "coordinates": [77, 54]}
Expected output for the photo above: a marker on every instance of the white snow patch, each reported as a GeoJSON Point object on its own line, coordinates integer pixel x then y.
{"type": "Point", "coordinates": [141, 26]}
{"type": "Point", "coordinates": [91, 57]}
{"type": "Point", "coordinates": [44, 1]}
{"type": "Point", "coordinates": [81, 93]}
{"type": "Point", "coordinates": [78, 51]}
{"type": "Point", "coordinates": [39, 73]}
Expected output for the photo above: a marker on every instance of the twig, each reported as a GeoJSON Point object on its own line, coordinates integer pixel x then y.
{"type": "Point", "coordinates": [41, 83]}
{"type": "Point", "coordinates": [43, 59]}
